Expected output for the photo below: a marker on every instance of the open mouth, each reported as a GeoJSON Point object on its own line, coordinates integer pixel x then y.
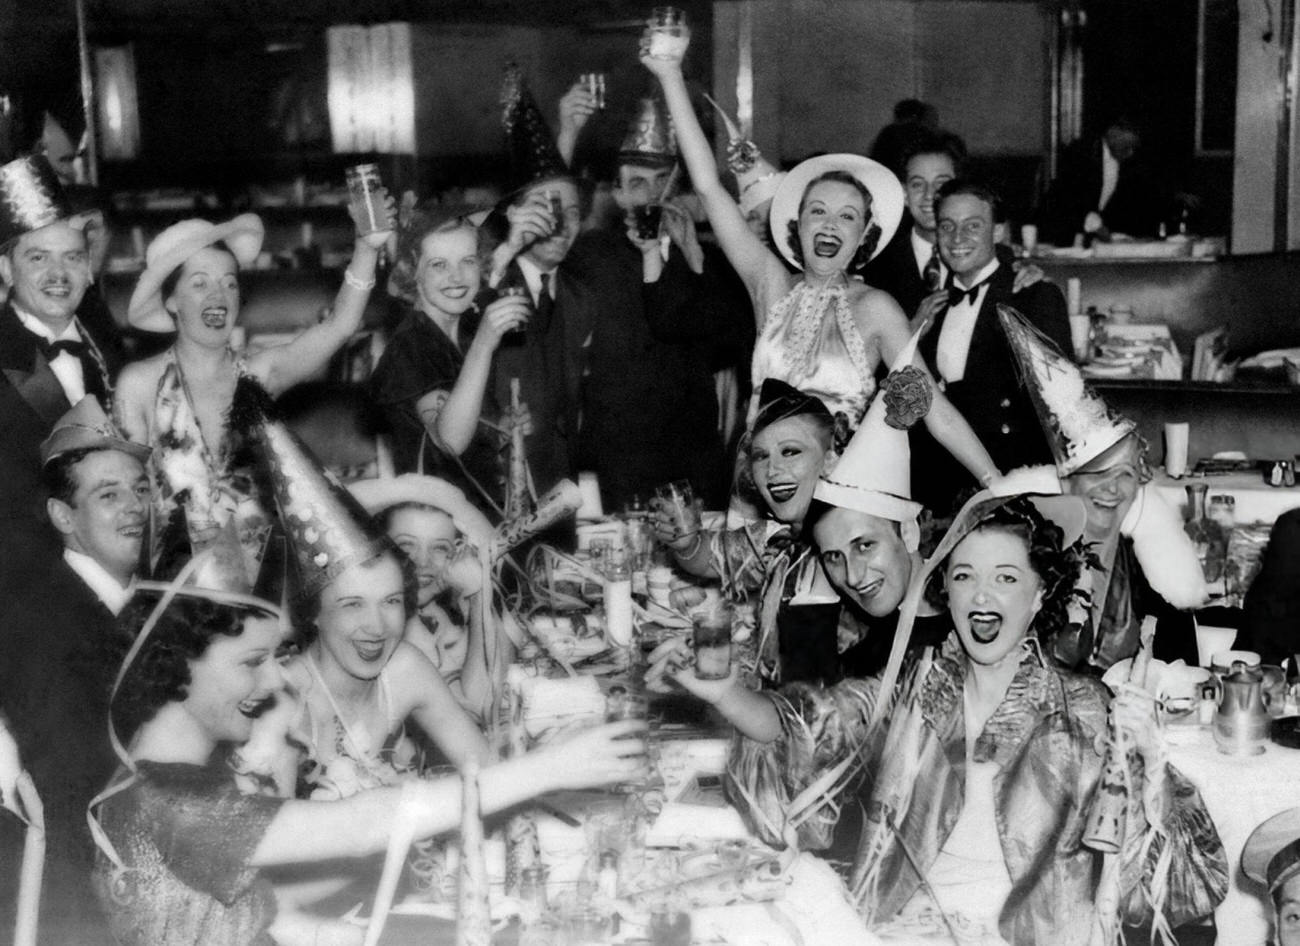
{"type": "Point", "coordinates": [456, 292]}
{"type": "Point", "coordinates": [782, 493]}
{"type": "Point", "coordinates": [984, 626]}
{"type": "Point", "coordinates": [131, 532]}
{"type": "Point", "coordinates": [369, 651]}
{"type": "Point", "coordinates": [57, 290]}
{"type": "Point", "coordinates": [255, 708]}
{"type": "Point", "coordinates": [826, 246]}
{"type": "Point", "coordinates": [214, 316]}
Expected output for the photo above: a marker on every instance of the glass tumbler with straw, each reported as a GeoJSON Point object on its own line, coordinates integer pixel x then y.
{"type": "Point", "coordinates": [678, 498]}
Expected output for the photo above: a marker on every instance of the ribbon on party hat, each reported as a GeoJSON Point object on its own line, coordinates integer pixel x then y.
{"type": "Point", "coordinates": [1078, 424]}
{"type": "Point", "coordinates": [873, 474]}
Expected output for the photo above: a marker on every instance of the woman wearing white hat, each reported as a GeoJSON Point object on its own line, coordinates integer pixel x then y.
{"type": "Point", "coordinates": [823, 331]}
{"type": "Point", "coordinates": [178, 401]}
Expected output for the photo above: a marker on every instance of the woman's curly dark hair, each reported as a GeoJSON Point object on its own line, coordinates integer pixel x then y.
{"type": "Point", "coordinates": [826, 430]}
{"type": "Point", "coordinates": [160, 673]}
{"type": "Point", "coordinates": [1057, 568]}
{"type": "Point", "coordinates": [869, 242]}
{"type": "Point", "coordinates": [307, 609]}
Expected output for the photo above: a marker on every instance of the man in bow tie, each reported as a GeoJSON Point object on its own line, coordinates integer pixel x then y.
{"type": "Point", "coordinates": [967, 350]}
{"type": "Point", "coordinates": [49, 358]}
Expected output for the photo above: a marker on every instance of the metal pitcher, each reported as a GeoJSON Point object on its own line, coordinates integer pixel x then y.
{"type": "Point", "coordinates": [1242, 722]}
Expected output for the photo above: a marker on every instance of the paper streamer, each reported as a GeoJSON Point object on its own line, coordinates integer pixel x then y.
{"type": "Point", "coordinates": [473, 911]}
{"type": "Point", "coordinates": [560, 503]}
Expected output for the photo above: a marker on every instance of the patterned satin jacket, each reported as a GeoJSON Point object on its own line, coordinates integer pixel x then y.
{"type": "Point", "coordinates": [1044, 739]}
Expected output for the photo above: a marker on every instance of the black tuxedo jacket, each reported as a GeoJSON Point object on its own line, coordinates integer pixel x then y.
{"type": "Point", "coordinates": [895, 271]}
{"type": "Point", "coordinates": [31, 401]}
{"type": "Point", "coordinates": [54, 685]}
{"type": "Point", "coordinates": [989, 395]}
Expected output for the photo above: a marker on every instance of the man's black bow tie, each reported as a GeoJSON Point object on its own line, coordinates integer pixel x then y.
{"type": "Point", "coordinates": [956, 294]}
{"type": "Point", "coordinates": [52, 350]}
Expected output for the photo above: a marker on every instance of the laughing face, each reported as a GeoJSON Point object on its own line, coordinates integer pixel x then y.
{"type": "Point", "coordinates": [106, 518]}
{"type": "Point", "coordinates": [427, 536]}
{"type": "Point", "coordinates": [993, 594]}
{"type": "Point", "coordinates": [449, 272]}
{"type": "Point", "coordinates": [362, 618]}
{"type": "Point", "coordinates": [832, 224]}
{"type": "Point", "coordinates": [785, 460]}
{"type": "Point", "coordinates": [48, 271]}
{"type": "Point", "coordinates": [205, 302]}
{"type": "Point", "coordinates": [1108, 486]}
{"type": "Point", "coordinates": [967, 234]}
{"type": "Point", "coordinates": [865, 559]}
{"type": "Point", "coordinates": [235, 680]}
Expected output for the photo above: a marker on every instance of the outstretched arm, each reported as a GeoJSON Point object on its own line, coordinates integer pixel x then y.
{"type": "Point", "coordinates": [281, 368]}
{"type": "Point", "coordinates": [308, 831]}
{"type": "Point", "coordinates": [751, 259]}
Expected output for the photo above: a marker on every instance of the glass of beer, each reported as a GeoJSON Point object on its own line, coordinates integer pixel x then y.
{"type": "Point", "coordinates": [711, 639]}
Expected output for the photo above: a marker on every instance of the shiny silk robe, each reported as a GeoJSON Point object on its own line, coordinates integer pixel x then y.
{"type": "Point", "coordinates": [1043, 737]}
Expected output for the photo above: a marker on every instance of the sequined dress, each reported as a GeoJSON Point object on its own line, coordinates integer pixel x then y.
{"type": "Point", "coordinates": [186, 835]}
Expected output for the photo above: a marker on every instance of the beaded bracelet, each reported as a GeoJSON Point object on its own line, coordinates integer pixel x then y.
{"type": "Point", "coordinates": [355, 283]}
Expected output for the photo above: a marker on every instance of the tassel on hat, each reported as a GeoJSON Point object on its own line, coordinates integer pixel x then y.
{"type": "Point", "coordinates": [873, 475]}
{"type": "Point", "coordinates": [1079, 425]}
{"type": "Point", "coordinates": [1164, 550]}
{"type": "Point", "coordinates": [651, 139]}
{"type": "Point", "coordinates": [328, 531]}
{"type": "Point", "coordinates": [530, 145]}
{"type": "Point", "coordinates": [756, 177]}
{"type": "Point", "coordinates": [31, 197]}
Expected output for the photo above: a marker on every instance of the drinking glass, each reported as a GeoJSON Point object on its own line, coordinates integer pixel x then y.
{"type": "Point", "coordinates": [679, 498]}
{"type": "Point", "coordinates": [366, 195]}
{"type": "Point", "coordinates": [711, 637]}
{"type": "Point", "coordinates": [647, 218]}
{"type": "Point", "coordinates": [669, 33]}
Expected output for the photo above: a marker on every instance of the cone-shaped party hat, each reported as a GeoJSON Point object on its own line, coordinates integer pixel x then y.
{"type": "Point", "coordinates": [1078, 424]}
{"type": "Point", "coordinates": [651, 140]}
{"type": "Point", "coordinates": [31, 197]}
{"type": "Point", "coordinates": [328, 531]}
{"type": "Point", "coordinates": [874, 475]}
{"type": "Point", "coordinates": [87, 427]}
{"type": "Point", "coordinates": [756, 178]}
{"type": "Point", "coordinates": [530, 146]}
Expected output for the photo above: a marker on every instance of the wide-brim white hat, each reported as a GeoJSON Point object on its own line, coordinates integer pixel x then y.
{"type": "Point", "coordinates": [886, 196]}
{"type": "Point", "coordinates": [380, 494]}
{"type": "Point", "coordinates": [176, 244]}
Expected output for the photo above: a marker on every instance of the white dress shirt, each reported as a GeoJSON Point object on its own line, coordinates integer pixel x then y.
{"type": "Point", "coordinates": [959, 326]}
{"type": "Point", "coordinates": [65, 365]}
{"type": "Point", "coordinates": [533, 278]}
{"type": "Point", "coordinates": [104, 585]}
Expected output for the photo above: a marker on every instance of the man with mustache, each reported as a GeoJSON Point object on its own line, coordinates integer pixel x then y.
{"type": "Point", "coordinates": [52, 685]}
{"type": "Point", "coordinates": [50, 359]}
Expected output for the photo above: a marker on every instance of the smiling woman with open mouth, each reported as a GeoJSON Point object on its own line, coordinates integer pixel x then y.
{"type": "Point", "coordinates": [821, 328]}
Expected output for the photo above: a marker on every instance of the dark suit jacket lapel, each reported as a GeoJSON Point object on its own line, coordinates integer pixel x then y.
{"type": "Point", "coordinates": [28, 371]}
